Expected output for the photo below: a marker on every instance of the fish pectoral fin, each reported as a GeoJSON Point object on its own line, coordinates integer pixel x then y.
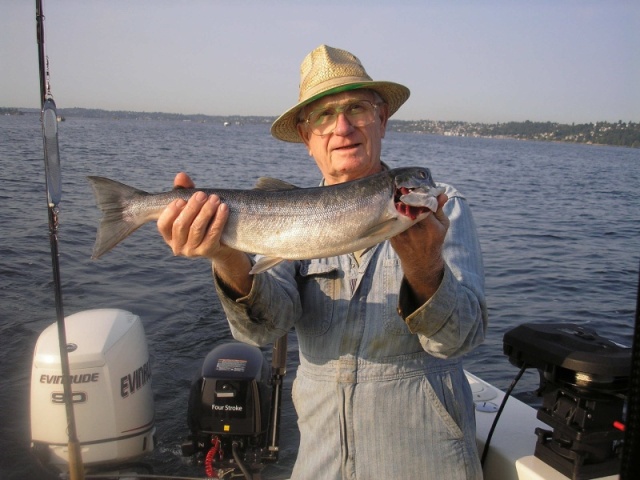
{"type": "Point", "coordinates": [264, 264]}
{"type": "Point", "coordinates": [381, 229]}
{"type": "Point", "coordinates": [270, 184]}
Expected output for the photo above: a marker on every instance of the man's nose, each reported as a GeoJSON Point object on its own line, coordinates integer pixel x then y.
{"type": "Point", "coordinates": [343, 125]}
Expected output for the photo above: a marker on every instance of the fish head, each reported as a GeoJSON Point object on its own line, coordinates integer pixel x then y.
{"type": "Point", "coordinates": [416, 194]}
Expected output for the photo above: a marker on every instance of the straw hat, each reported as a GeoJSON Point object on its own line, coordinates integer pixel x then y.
{"type": "Point", "coordinates": [325, 71]}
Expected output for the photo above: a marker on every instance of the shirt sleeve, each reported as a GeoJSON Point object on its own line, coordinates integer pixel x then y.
{"type": "Point", "coordinates": [454, 320]}
{"type": "Point", "coordinates": [270, 309]}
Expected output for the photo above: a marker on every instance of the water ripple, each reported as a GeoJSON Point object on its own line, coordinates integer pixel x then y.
{"type": "Point", "coordinates": [559, 227]}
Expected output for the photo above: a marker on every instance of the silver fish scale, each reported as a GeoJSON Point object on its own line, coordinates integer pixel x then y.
{"type": "Point", "coordinates": [322, 222]}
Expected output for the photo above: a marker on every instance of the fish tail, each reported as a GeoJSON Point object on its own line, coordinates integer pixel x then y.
{"type": "Point", "coordinates": [118, 220]}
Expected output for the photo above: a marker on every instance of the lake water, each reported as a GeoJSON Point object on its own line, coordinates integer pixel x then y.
{"type": "Point", "coordinates": [559, 226]}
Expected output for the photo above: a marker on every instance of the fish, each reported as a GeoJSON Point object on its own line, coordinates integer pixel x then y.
{"type": "Point", "coordinates": [279, 221]}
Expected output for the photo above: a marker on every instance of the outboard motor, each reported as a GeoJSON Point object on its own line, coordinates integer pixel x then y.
{"type": "Point", "coordinates": [584, 380]}
{"type": "Point", "coordinates": [111, 391]}
{"type": "Point", "coordinates": [234, 410]}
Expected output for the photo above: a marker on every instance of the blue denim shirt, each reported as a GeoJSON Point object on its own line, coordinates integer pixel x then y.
{"type": "Point", "coordinates": [380, 391]}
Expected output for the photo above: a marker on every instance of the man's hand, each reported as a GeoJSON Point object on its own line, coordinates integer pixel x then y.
{"type": "Point", "coordinates": [194, 229]}
{"type": "Point", "coordinates": [420, 252]}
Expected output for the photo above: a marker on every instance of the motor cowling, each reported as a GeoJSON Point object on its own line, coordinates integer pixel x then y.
{"type": "Point", "coordinates": [232, 395]}
{"type": "Point", "coordinates": [110, 374]}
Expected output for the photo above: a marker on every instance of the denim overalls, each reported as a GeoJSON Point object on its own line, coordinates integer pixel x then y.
{"type": "Point", "coordinates": [380, 392]}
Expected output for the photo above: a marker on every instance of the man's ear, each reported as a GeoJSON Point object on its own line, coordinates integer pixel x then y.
{"type": "Point", "coordinates": [304, 135]}
{"type": "Point", "coordinates": [384, 117]}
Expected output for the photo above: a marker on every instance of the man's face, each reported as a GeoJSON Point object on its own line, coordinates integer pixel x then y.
{"type": "Point", "coordinates": [349, 152]}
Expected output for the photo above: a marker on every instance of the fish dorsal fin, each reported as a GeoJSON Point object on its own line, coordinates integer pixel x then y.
{"type": "Point", "coordinates": [382, 229]}
{"type": "Point", "coordinates": [264, 264]}
{"type": "Point", "coordinates": [273, 184]}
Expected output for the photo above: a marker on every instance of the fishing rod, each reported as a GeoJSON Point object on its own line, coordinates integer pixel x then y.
{"type": "Point", "coordinates": [53, 183]}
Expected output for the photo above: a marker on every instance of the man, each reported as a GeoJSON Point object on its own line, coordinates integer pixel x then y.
{"type": "Point", "coordinates": [380, 391]}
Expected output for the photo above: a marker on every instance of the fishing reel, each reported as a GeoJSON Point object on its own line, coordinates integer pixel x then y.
{"type": "Point", "coordinates": [234, 410]}
{"type": "Point", "coordinates": [583, 384]}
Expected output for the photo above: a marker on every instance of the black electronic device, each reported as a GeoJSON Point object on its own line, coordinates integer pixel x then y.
{"type": "Point", "coordinates": [583, 383]}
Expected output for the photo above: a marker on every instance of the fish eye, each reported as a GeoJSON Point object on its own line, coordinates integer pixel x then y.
{"type": "Point", "coordinates": [422, 174]}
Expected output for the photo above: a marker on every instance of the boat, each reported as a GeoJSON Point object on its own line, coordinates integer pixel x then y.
{"type": "Point", "coordinates": [234, 404]}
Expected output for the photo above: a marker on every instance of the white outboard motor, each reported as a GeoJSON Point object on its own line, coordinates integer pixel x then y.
{"type": "Point", "coordinates": [111, 390]}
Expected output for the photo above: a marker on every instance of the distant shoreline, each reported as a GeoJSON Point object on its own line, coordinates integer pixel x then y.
{"type": "Point", "coordinates": [621, 134]}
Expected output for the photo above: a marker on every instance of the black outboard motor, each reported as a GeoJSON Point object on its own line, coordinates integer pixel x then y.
{"type": "Point", "coordinates": [584, 382]}
{"type": "Point", "coordinates": [234, 409]}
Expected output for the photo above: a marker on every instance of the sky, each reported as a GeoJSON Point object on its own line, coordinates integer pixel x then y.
{"type": "Point", "coordinates": [477, 61]}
